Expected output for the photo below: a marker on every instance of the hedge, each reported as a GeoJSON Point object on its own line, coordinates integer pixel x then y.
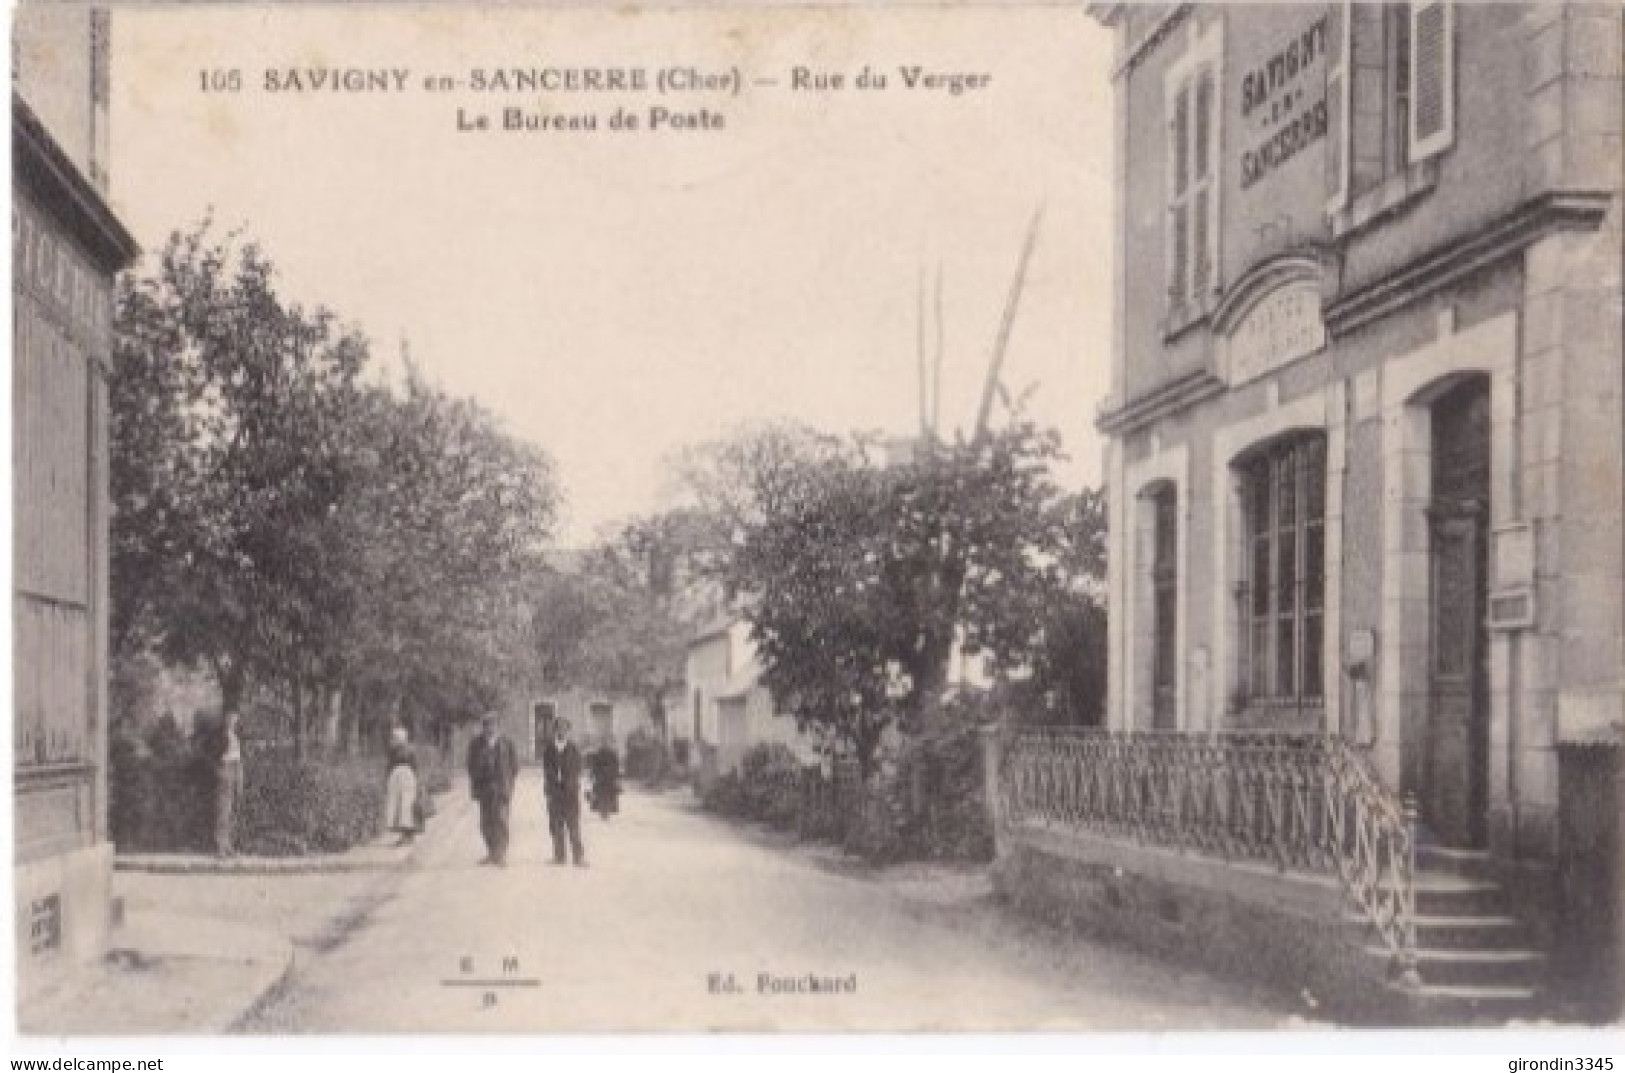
{"type": "Point", "coordinates": [162, 791]}
{"type": "Point", "coordinates": [928, 804]}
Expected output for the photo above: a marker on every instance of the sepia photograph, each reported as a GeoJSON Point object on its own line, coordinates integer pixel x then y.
{"type": "Point", "coordinates": [558, 519]}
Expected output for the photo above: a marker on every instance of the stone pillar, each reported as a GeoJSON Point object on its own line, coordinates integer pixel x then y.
{"type": "Point", "coordinates": [1572, 459]}
{"type": "Point", "coordinates": [993, 741]}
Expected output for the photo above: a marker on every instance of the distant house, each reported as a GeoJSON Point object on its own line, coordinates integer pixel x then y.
{"type": "Point", "coordinates": [728, 708]}
{"type": "Point", "coordinates": [597, 718]}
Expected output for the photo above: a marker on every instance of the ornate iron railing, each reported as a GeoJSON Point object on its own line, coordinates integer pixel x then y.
{"type": "Point", "coordinates": [1304, 802]}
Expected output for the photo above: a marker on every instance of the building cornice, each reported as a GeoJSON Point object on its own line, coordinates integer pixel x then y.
{"type": "Point", "coordinates": [1442, 266]}
{"type": "Point", "coordinates": [1136, 51]}
{"type": "Point", "coordinates": [45, 171]}
{"type": "Point", "coordinates": [1164, 399]}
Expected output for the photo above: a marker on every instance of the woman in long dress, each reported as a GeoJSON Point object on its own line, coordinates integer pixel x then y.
{"type": "Point", "coordinates": [401, 788]}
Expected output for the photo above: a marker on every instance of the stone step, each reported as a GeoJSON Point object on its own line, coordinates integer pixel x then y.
{"type": "Point", "coordinates": [1448, 966]}
{"type": "Point", "coordinates": [1472, 932]}
{"type": "Point", "coordinates": [1473, 863]}
{"type": "Point", "coordinates": [1443, 894]}
{"type": "Point", "coordinates": [1457, 1004]}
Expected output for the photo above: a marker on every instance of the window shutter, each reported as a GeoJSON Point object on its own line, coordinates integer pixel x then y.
{"type": "Point", "coordinates": [1179, 179]}
{"type": "Point", "coordinates": [1204, 126]}
{"type": "Point", "coordinates": [1181, 138]}
{"type": "Point", "coordinates": [1203, 201]}
{"type": "Point", "coordinates": [1338, 123]}
{"type": "Point", "coordinates": [1179, 220]}
{"type": "Point", "coordinates": [1201, 228]}
{"type": "Point", "coordinates": [1432, 79]}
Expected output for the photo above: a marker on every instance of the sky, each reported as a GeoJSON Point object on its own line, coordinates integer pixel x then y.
{"type": "Point", "coordinates": [614, 295]}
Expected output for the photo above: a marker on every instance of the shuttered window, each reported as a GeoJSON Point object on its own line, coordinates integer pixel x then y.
{"type": "Point", "coordinates": [1337, 109]}
{"type": "Point", "coordinates": [1431, 79]}
{"type": "Point", "coordinates": [1192, 183]}
{"type": "Point", "coordinates": [1390, 93]}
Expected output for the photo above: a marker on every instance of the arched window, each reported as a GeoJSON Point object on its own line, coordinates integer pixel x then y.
{"type": "Point", "coordinates": [1282, 591]}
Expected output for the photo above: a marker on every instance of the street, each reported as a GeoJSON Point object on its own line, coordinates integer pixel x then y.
{"type": "Point", "coordinates": [678, 920]}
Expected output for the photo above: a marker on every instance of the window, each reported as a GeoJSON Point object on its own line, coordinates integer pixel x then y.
{"type": "Point", "coordinates": [1191, 91]}
{"type": "Point", "coordinates": [1391, 94]}
{"type": "Point", "coordinates": [1283, 587]}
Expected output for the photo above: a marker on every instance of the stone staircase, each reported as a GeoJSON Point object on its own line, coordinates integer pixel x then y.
{"type": "Point", "coordinates": [1477, 961]}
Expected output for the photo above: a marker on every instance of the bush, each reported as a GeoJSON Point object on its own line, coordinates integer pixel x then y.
{"type": "Point", "coordinates": [725, 796]}
{"type": "Point", "coordinates": [162, 795]}
{"type": "Point", "coordinates": [291, 809]}
{"type": "Point", "coordinates": [161, 791]}
{"type": "Point", "coordinates": [943, 799]}
{"type": "Point", "coordinates": [767, 786]}
{"type": "Point", "coordinates": [771, 783]}
{"type": "Point", "coordinates": [928, 803]}
{"type": "Point", "coordinates": [434, 768]}
{"type": "Point", "coordinates": [646, 757]}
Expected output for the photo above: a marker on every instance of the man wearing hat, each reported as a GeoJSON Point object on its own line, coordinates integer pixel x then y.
{"type": "Point", "coordinates": [492, 767]}
{"type": "Point", "coordinates": [561, 782]}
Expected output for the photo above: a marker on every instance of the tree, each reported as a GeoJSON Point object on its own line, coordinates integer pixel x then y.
{"type": "Point", "coordinates": [738, 481]}
{"type": "Point", "coordinates": [228, 406]}
{"type": "Point", "coordinates": [1068, 680]}
{"type": "Point", "coordinates": [614, 620]}
{"type": "Point", "coordinates": [297, 531]}
{"type": "Point", "coordinates": [860, 580]}
{"type": "Point", "coordinates": [437, 542]}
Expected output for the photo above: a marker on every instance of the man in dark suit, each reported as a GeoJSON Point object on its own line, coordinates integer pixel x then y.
{"type": "Point", "coordinates": [561, 779]}
{"type": "Point", "coordinates": [492, 767]}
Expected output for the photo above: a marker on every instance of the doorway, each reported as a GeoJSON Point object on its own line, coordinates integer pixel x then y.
{"type": "Point", "coordinates": [1456, 740]}
{"type": "Point", "coordinates": [1164, 610]}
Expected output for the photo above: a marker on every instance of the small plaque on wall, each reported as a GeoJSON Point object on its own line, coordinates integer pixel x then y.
{"type": "Point", "coordinates": [45, 925]}
{"type": "Point", "coordinates": [1512, 609]}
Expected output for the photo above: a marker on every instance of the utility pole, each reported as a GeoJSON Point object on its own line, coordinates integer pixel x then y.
{"type": "Point", "coordinates": [1002, 341]}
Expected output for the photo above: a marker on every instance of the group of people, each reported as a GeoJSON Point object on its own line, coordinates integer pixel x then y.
{"type": "Point", "coordinates": [493, 766]}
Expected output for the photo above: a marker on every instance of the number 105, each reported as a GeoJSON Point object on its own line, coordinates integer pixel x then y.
{"type": "Point", "coordinates": [227, 80]}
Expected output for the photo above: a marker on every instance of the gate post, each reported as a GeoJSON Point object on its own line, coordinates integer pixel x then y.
{"type": "Point", "coordinates": [993, 741]}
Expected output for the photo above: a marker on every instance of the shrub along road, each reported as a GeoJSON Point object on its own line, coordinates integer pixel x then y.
{"type": "Point", "coordinates": [685, 922]}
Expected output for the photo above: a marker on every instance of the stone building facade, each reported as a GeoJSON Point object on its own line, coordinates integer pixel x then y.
{"type": "Point", "coordinates": [1365, 448]}
{"type": "Point", "coordinates": [66, 249]}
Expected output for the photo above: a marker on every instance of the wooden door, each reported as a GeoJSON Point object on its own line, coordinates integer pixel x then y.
{"type": "Point", "coordinates": [1456, 743]}
{"type": "Point", "coordinates": [1165, 614]}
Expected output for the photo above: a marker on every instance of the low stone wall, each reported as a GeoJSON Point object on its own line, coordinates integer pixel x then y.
{"type": "Point", "coordinates": [1288, 932]}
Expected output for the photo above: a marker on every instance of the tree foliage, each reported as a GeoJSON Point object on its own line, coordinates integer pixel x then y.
{"type": "Point", "coordinates": [861, 578]}
{"type": "Point", "coordinates": [612, 618]}
{"type": "Point", "coordinates": [292, 528]}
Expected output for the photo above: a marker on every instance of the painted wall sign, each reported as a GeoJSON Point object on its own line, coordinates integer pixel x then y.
{"type": "Point", "coordinates": [45, 925]}
{"type": "Point", "coordinates": [1283, 103]}
{"type": "Point", "coordinates": [49, 267]}
{"type": "Point", "coordinates": [1282, 327]}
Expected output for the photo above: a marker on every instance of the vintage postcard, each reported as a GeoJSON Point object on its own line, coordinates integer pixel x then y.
{"type": "Point", "coordinates": [1067, 517]}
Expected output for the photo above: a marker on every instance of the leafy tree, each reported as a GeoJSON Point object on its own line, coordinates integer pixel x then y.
{"type": "Point", "coordinates": [228, 406]}
{"type": "Point", "coordinates": [1068, 680]}
{"type": "Point", "coordinates": [295, 530]}
{"type": "Point", "coordinates": [735, 483]}
{"type": "Point", "coordinates": [614, 621]}
{"type": "Point", "coordinates": [432, 550]}
{"type": "Point", "coordinates": [861, 579]}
